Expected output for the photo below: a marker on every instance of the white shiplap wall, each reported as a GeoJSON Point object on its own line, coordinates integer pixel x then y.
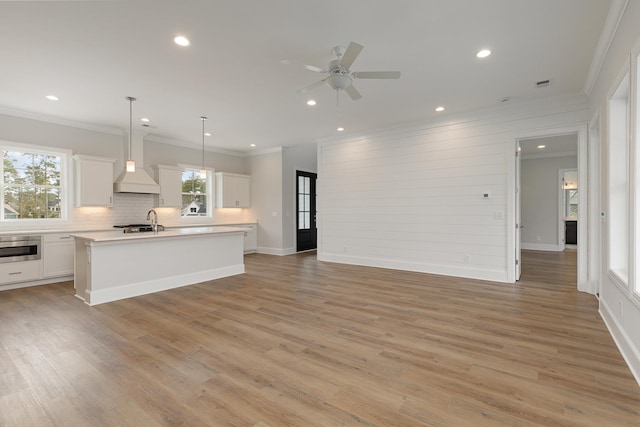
{"type": "Point", "coordinates": [412, 198]}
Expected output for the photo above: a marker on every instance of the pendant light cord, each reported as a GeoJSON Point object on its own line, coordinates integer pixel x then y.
{"type": "Point", "coordinates": [203, 118]}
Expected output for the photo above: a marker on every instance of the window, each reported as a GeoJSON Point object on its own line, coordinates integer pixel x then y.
{"type": "Point", "coordinates": [618, 221]}
{"type": "Point", "coordinates": [33, 184]}
{"type": "Point", "coordinates": [196, 194]}
{"type": "Point", "coordinates": [304, 202]}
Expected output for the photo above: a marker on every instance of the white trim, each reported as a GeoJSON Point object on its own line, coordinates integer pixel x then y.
{"type": "Point", "coordinates": [265, 151]}
{"type": "Point", "coordinates": [594, 238]}
{"type": "Point", "coordinates": [39, 282]}
{"type": "Point", "coordinates": [160, 284]}
{"type": "Point", "coordinates": [536, 109]}
{"type": "Point", "coordinates": [58, 121]}
{"type": "Point", "coordinates": [614, 16]}
{"type": "Point", "coordinates": [580, 129]}
{"type": "Point", "coordinates": [541, 247]}
{"type": "Point", "coordinates": [629, 352]}
{"type": "Point", "coordinates": [276, 251]}
{"type": "Point", "coordinates": [429, 268]}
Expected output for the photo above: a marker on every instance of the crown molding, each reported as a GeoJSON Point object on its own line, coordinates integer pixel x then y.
{"type": "Point", "coordinates": [616, 11]}
{"type": "Point", "coordinates": [512, 110]}
{"type": "Point", "coordinates": [265, 151]}
{"type": "Point", "coordinates": [57, 120]}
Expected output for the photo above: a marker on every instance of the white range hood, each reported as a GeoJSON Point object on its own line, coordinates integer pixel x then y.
{"type": "Point", "coordinates": [138, 181]}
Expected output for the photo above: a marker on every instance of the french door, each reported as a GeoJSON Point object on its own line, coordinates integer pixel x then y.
{"type": "Point", "coordinates": [307, 233]}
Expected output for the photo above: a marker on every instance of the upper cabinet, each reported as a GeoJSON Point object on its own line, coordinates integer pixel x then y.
{"type": "Point", "coordinates": [233, 190]}
{"type": "Point", "coordinates": [93, 181]}
{"type": "Point", "coordinates": [170, 180]}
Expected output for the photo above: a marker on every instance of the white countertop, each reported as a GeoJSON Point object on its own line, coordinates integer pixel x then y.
{"type": "Point", "coordinates": [110, 236]}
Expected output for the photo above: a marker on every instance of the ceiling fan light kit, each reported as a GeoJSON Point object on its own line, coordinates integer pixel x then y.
{"type": "Point", "coordinates": [340, 77]}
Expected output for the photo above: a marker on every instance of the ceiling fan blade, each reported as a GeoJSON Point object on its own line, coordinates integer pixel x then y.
{"type": "Point", "coordinates": [353, 92]}
{"type": "Point", "coordinates": [307, 66]}
{"type": "Point", "coordinates": [376, 75]}
{"type": "Point", "coordinates": [350, 55]}
{"type": "Point", "coordinates": [311, 86]}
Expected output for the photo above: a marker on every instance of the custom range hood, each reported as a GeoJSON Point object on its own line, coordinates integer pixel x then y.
{"type": "Point", "coordinates": [138, 181]}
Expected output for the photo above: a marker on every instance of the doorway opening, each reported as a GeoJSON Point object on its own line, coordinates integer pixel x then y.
{"type": "Point", "coordinates": [548, 211]}
{"type": "Point", "coordinates": [306, 229]}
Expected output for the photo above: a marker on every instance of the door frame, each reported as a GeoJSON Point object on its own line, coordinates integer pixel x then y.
{"type": "Point", "coordinates": [581, 131]}
{"type": "Point", "coordinates": [314, 205]}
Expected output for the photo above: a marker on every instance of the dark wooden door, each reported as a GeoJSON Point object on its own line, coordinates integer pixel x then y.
{"type": "Point", "coordinates": [307, 233]}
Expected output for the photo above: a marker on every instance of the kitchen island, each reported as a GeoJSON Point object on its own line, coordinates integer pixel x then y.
{"type": "Point", "coordinates": [112, 265]}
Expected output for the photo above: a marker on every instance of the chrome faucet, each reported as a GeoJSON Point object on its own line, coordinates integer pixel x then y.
{"type": "Point", "coordinates": [154, 220]}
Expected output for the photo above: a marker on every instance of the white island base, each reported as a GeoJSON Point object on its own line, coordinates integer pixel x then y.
{"type": "Point", "coordinates": [110, 266]}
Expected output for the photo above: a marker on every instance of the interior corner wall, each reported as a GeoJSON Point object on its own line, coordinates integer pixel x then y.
{"type": "Point", "coordinates": [539, 201]}
{"type": "Point", "coordinates": [266, 200]}
{"type": "Point", "coordinates": [620, 311]}
{"type": "Point", "coordinates": [298, 158]}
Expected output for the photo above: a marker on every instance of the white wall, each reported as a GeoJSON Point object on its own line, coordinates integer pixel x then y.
{"type": "Point", "coordinates": [539, 201]}
{"type": "Point", "coordinates": [619, 310]}
{"type": "Point", "coordinates": [412, 197]}
{"type": "Point", "coordinates": [266, 200]}
{"type": "Point", "coordinates": [298, 158]}
{"type": "Point", "coordinates": [128, 208]}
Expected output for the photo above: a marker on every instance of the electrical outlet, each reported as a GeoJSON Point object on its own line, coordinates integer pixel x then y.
{"type": "Point", "coordinates": [620, 308]}
{"type": "Point", "coordinates": [465, 259]}
{"type": "Point", "coordinates": [538, 238]}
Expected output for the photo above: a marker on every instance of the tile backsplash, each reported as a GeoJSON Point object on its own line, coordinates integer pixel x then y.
{"type": "Point", "coordinates": [130, 208]}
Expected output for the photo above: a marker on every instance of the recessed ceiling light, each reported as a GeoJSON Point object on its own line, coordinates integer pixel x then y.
{"type": "Point", "coordinates": [144, 119]}
{"type": "Point", "coordinates": [52, 98]}
{"type": "Point", "coordinates": [441, 108]}
{"type": "Point", "coordinates": [340, 129]}
{"type": "Point", "coordinates": [252, 145]}
{"type": "Point", "coordinates": [311, 102]}
{"type": "Point", "coordinates": [483, 53]}
{"type": "Point", "coordinates": [207, 134]}
{"type": "Point", "coordinates": [541, 146]}
{"type": "Point", "coordinates": [182, 41]}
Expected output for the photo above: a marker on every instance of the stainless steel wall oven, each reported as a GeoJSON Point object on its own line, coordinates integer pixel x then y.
{"type": "Point", "coordinates": [20, 248]}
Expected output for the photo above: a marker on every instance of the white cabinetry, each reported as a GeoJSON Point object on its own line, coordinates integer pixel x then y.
{"type": "Point", "coordinates": [22, 271]}
{"type": "Point", "coordinates": [170, 180]}
{"type": "Point", "coordinates": [57, 255]}
{"type": "Point", "coordinates": [250, 238]}
{"type": "Point", "coordinates": [233, 190]}
{"type": "Point", "coordinates": [93, 181]}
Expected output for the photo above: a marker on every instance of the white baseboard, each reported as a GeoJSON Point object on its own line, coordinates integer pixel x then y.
{"type": "Point", "coordinates": [148, 287]}
{"type": "Point", "coordinates": [36, 283]}
{"type": "Point", "coordinates": [276, 251]}
{"type": "Point", "coordinates": [540, 247]}
{"type": "Point", "coordinates": [629, 352]}
{"type": "Point", "coordinates": [469, 272]}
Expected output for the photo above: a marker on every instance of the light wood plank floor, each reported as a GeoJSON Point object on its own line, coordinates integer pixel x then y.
{"type": "Point", "coordinates": [296, 342]}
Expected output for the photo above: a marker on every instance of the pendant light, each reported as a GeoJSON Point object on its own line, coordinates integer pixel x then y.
{"type": "Point", "coordinates": [203, 171]}
{"type": "Point", "coordinates": [131, 165]}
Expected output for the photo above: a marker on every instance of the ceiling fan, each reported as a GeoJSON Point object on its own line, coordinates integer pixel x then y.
{"type": "Point", "coordinates": [340, 77]}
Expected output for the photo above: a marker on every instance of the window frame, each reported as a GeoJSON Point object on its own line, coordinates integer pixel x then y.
{"type": "Point", "coordinates": [210, 193]}
{"type": "Point", "coordinates": [65, 193]}
{"type": "Point", "coordinates": [618, 229]}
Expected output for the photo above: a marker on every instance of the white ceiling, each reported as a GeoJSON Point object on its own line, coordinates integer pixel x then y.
{"type": "Point", "coordinates": [93, 54]}
{"type": "Point", "coordinates": [554, 146]}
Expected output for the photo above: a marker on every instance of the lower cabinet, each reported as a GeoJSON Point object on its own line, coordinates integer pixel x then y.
{"type": "Point", "coordinates": [250, 238]}
{"type": "Point", "coordinates": [57, 255]}
{"type": "Point", "coordinates": [13, 272]}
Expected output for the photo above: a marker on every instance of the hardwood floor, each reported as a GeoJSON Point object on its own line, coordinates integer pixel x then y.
{"type": "Point", "coordinates": [296, 342]}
